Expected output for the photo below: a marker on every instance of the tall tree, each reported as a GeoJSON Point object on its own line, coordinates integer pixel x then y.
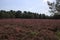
{"type": "Point", "coordinates": [18, 14]}
{"type": "Point", "coordinates": [12, 14]}
{"type": "Point", "coordinates": [55, 8]}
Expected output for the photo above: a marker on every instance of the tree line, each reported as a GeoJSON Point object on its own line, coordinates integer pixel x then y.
{"type": "Point", "coordinates": [25, 14]}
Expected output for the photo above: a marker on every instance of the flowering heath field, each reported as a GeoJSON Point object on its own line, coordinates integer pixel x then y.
{"type": "Point", "coordinates": [29, 29]}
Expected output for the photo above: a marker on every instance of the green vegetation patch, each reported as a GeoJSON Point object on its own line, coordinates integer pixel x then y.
{"type": "Point", "coordinates": [58, 35]}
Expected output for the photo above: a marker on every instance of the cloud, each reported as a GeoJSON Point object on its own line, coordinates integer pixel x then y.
{"type": "Point", "coordinates": [44, 1]}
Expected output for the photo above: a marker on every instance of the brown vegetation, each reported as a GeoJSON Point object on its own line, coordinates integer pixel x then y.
{"type": "Point", "coordinates": [28, 29]}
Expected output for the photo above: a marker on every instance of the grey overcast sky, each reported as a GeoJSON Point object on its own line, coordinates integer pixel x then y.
{"type": "Point", "coordinates": [39, 6]}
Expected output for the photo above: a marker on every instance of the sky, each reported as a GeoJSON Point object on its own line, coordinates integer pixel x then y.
{"type": "Point", "coordinates": [38, 6]}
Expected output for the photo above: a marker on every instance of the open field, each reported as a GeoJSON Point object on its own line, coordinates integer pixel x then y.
{"type": "Point", "coordinates": [29, 29]}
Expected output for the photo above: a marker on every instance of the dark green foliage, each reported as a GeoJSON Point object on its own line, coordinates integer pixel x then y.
{"type": "Point", "coordinates": [25, 14]}
{"type": "Point", "coordinates": [18, 14]}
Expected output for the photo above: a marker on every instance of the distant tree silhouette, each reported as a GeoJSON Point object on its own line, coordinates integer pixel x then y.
{"type": "Point", "coordinates": [18, 14]}
{"type": "Point", "coordinates": [25, 14]}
